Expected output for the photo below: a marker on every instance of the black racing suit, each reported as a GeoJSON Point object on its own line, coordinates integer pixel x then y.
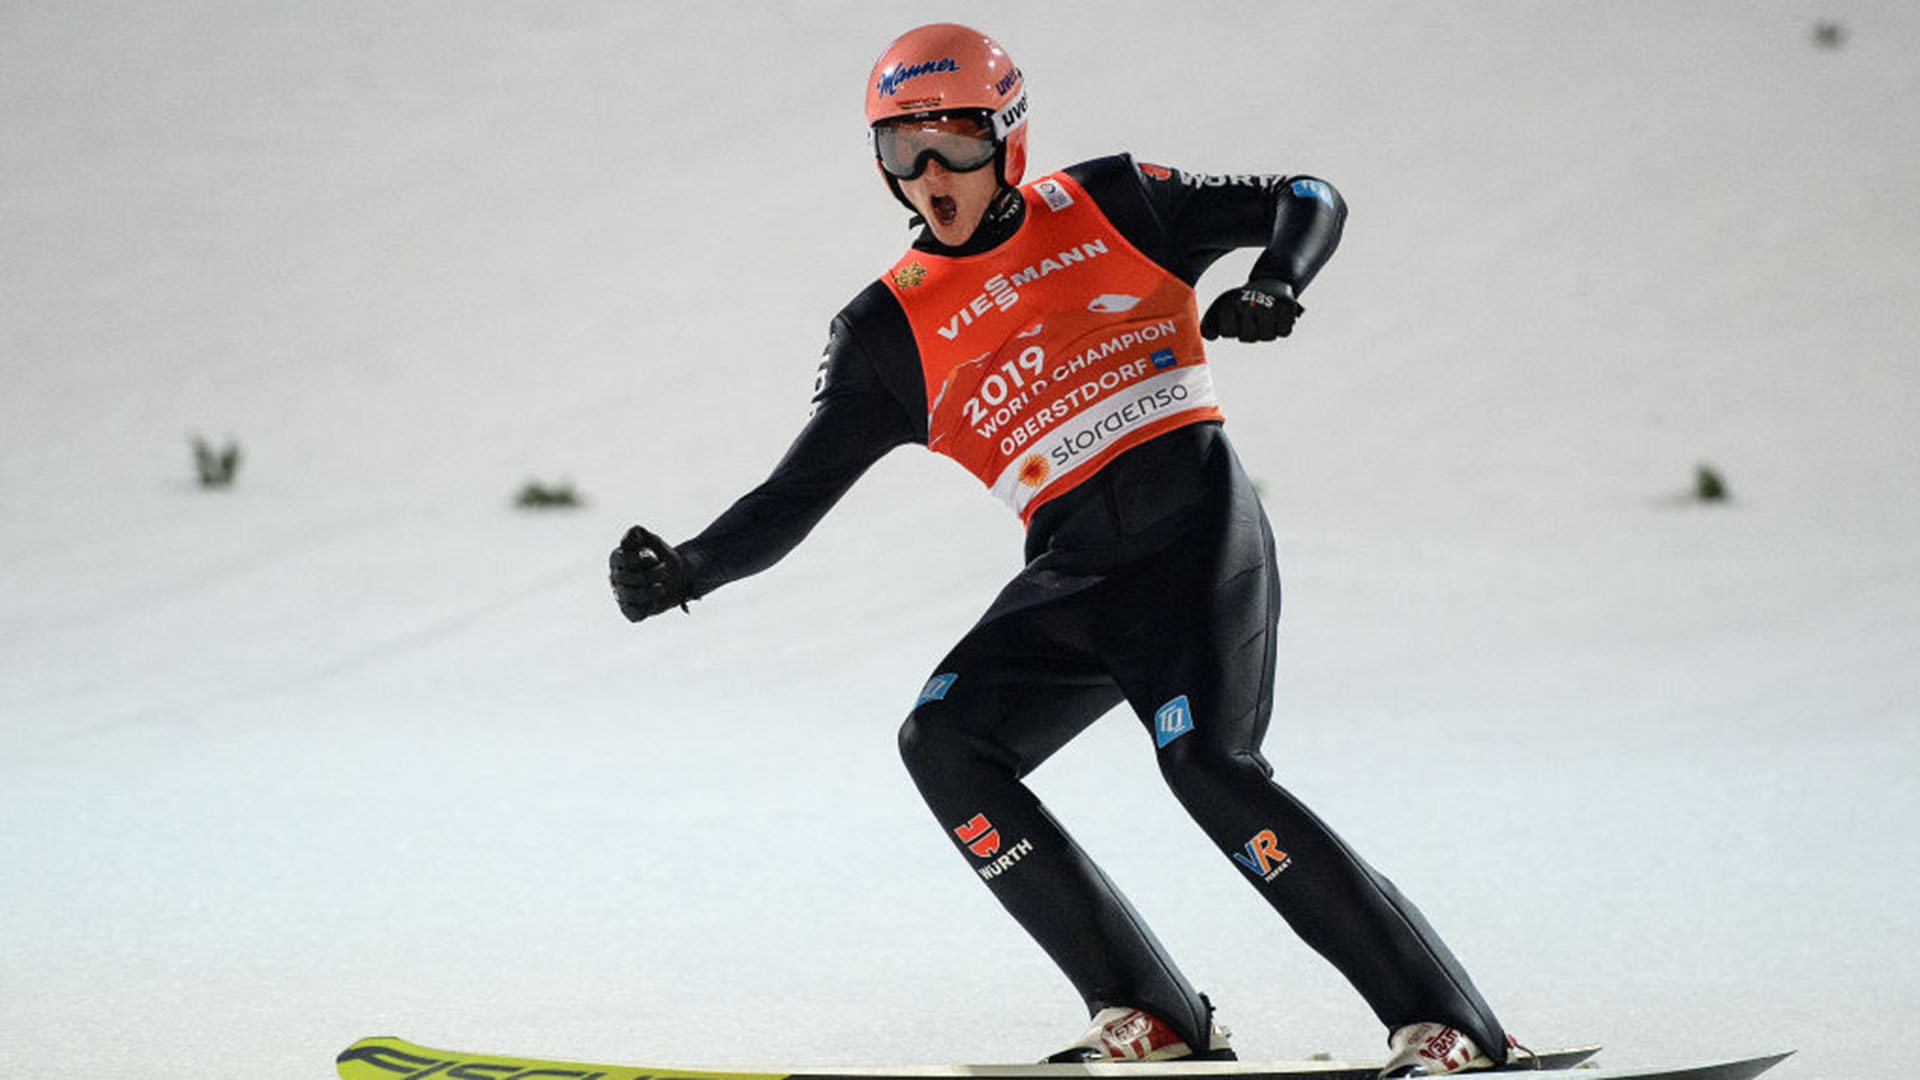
{"type": "Point", "coordinates": [1152, 583]}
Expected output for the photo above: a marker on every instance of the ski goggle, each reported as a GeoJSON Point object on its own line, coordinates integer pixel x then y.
{"type": "Point", "coordinates": [960, 141]}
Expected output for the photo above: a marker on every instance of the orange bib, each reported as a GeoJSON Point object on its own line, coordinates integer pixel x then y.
{"type": "Point", "coordinates": [1055, 351]}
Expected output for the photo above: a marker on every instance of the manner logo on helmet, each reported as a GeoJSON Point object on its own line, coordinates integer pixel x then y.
{"type": "Point", "coordinates": [891, 78]}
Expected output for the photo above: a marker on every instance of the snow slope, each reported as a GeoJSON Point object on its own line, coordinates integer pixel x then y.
{"type": "Point", "coordinates": [356, 748]}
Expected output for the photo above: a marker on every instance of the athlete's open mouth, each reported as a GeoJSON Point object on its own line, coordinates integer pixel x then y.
{"type": "Point", "coordinates": [945, 209]}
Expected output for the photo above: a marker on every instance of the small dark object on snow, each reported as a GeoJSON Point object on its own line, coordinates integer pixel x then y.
{"type": "Point", "coordinates": [216, 468]}
{"type": "Point", "coordinates": [1708, 485]}
{"type": "Point", "coordinates": [538, 496]}
{"type": "Point", "coordinates": [1829, 34]}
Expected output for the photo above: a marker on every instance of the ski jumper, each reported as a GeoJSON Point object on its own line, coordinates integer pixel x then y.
{"type": "Point", "coordinates": [1057, 358]}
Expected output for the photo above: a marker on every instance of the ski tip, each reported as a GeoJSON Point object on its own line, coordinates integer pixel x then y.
{"type": "Point", "coordinates": [377, 1054]}
{"type": "Point", "coordinates": [1768, 1061]}
{"type": "Point", "coordinates": [366, 1041]}
{"type": "Point", "coordinates": [1732, 1069]}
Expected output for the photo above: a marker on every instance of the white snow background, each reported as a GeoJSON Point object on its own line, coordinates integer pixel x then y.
{"type": "Point", "coordinates": [357, 748]}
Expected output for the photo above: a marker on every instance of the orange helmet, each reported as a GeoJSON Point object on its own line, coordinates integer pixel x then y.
{"type": "Point", "coordinates": [944, 68]}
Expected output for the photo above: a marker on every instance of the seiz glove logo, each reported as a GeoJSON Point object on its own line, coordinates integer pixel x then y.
{"type": "Point", "coordinates": [1260, 310]}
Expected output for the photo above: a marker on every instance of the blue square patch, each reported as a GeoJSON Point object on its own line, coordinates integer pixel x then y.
{"type": "Point", "coordinates": [936, 688]}
{"type": "Point", "coordinates": [1174, 719]}
{"type": "Point", "coordinates": [1309, 188]}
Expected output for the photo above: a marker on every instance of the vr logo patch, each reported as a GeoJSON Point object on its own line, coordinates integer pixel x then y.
{"type": "Point", "coordinates": [1262, 856]}
{"type": "Point", "coordinates": [1174, 719]}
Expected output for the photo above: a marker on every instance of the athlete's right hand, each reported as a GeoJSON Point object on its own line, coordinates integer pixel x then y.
{"type": "Point", "coordinates": [1260, 310]}
{"type": "Point", "coordinates": [648, 575]}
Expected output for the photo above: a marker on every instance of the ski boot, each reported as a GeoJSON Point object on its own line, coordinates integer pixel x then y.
{"type": "Point", "coordinates": [1431, 1050]}
{"type": "Point", "coordinates": [1127, 1034]}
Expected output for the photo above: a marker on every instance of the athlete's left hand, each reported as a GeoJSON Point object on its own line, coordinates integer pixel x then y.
{"type": "Point", "coordinates": [1260, 310]}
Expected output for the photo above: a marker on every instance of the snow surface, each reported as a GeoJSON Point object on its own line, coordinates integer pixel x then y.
{"type": "Point", "coordinates": [356, 748]}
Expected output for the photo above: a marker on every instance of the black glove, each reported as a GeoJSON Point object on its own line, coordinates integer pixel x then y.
{"type": "Point", "coordinates": [648, 575]}
{"type": "Point", "coordinates": [1260, 310]}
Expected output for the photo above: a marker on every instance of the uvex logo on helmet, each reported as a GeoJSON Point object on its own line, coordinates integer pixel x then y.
{"type": "Point", "coordinates": [1009, 118]}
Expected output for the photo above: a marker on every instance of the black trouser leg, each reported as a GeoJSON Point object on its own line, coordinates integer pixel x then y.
{"type": "Point", "coordinates": [1206, 652]}
{"type": "Point", "coordinates": [1339, 905]}
{"type": "Point", "coordinates": [1006, 709]}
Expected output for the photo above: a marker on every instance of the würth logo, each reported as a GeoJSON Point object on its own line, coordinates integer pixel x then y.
{"type": "Point", "coordinates": [980, 836]}
{"type": "Point", "coordinates": [983, 840]}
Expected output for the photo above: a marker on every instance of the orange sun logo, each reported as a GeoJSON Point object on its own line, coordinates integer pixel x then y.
{"type": "Point", "coordinates": [1034, 471]}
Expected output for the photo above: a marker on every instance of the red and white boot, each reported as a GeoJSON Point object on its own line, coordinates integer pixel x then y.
{"type": "Point", "coordinates": [1431, 1050]}
{"type": "Point", "coordinates": [1127, 1034]}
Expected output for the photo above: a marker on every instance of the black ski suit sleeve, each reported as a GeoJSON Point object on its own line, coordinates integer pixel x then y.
{"type": "Point", "coordinates": [1186, 221]}
{"type": "Point", "coordinates": [858, 416]}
